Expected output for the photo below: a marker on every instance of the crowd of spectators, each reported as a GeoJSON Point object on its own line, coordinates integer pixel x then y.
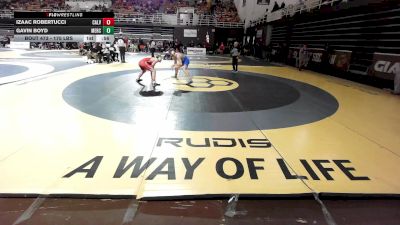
{"type": "Point", "coordinates": [101, 8]}
{"type": "Point", "coordinates": [203, 8]}
{"type": "Point", "coordinates": [119, 6]}
{"type": "Point", "coordinates": [226, 12]}
{"type": "Point", "coordinates": [54, 45]}
{"type": "Point", "coordinates": [223, 11]}
{"type": "Point", "coordinates": [99, 53]}
{"type": "Point", "coordinates": [171, 6]}
{"type": "Point", "coordinates": [132, 6]}
{"type": "Point", "coordinates": [34, 5]}
{"type": "Point", "coordinates": [141, 45]}
{"type": "Point", "coordinates": [162, 46]}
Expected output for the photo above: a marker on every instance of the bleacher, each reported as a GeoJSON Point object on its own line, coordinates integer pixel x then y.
{"type": "Point", "coordinates": [226, 13]}
{"type": "Point", "coordinates": [360, 28]}
{"type": "Point", "coordinates": [33, 5]}
{"type": "Point", "coordinates": [132, 6]}
{"type": "Point", "coordinates": [135, 11]}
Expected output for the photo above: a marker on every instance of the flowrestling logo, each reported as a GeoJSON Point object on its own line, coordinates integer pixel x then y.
{"type": "Point", "coordinates": [64, 14]}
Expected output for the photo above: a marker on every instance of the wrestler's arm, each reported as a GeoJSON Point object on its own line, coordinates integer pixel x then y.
{"type": "Point", "coordinates": [153, 62]}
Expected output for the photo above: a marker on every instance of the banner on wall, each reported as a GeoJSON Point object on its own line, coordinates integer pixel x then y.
{"type": "Point", "coordinates": [196, 51]}
{"type": "Point", "coordinates": [385, 65]}
{"type": "Point", "coordinates": [189, 33]}
{"type": "Point", "coordinates": [259, 33]}
{"type": "Point", "coordinates": [19, 45]}
{"type": "Point", "coordinates": [315, 56]}
{"type": "Point", "coordinates": [341, 59]}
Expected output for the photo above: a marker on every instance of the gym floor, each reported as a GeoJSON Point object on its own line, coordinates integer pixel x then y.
{"type": "Point", "coordinates": [85, 144]}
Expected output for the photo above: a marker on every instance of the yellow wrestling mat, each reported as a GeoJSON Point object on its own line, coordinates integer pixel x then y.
{"type": "Point", "coordinates": [173, 143]}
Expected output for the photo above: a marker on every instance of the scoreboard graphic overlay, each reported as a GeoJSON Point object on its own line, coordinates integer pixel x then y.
{"type": "Point", "coordinates": [64, 26]}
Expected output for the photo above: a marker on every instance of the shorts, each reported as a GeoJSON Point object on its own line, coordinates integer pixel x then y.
{"type": "Point", "coordinates": [186, 61]}
{"type": "Point", "coordinates": [234, 60]}
{"type": "Point", "coordinates": [145, 66]}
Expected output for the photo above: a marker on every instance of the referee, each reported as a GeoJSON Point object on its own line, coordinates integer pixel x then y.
{"type": "Point", "coordinates": [122, 48]}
